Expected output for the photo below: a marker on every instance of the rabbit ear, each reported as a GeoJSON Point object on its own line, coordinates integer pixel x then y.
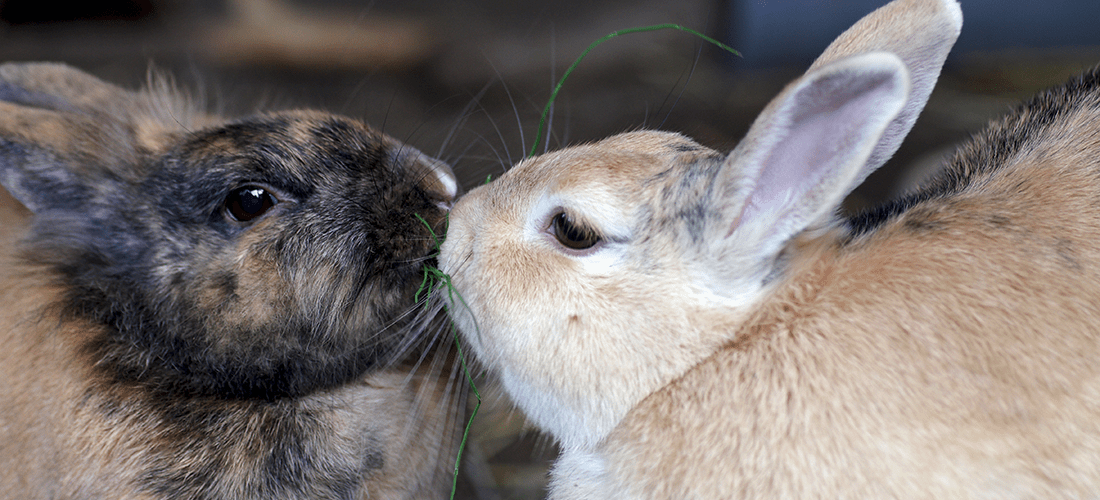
{"type": "Point", "coordinates": [63, 134]}
{"type": "Point", "coordinates": [921, 33]}
{"type": "Point", "coordinates": [805, 151]}
{"type": "Point", "coordinates": [828, 130]}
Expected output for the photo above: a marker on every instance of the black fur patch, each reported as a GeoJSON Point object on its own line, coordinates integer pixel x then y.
{"type": "Point", "coordinates": [990, 150]}
{"type": "Point", "coordinates": [686, 147]}
{"type": "Point", "coordinates": [156, 263]}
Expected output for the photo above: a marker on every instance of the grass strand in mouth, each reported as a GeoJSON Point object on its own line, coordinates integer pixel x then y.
{"type": "Point", "coordinates": [434, 278]}
{"type": "Point", "coordinates": [641, 29]}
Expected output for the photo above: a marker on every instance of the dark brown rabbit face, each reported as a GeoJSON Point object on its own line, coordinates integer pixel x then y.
{"type": "Point", "coordinates": [266, 257]}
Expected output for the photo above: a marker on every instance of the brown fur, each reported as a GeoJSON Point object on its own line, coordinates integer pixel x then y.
{"type": "Point", "coordinates": [89, 411]}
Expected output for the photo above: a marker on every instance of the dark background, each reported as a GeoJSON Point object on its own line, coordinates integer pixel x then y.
{"type": "Point", "coordinates": [467, 80]}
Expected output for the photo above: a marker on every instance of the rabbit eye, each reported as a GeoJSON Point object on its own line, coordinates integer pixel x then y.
{"type": "Point", "coordinates": [249, 202]}
{"type": "Point", "coordinates": [571, 235]}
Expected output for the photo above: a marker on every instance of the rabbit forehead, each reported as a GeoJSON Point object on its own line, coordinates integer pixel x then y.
{"type": "Point", "coordinates": [295, 152]}
{"type": "Point", "coordinates": [605, 180]}
{"type": "Point", "coordinates": [624, 161]}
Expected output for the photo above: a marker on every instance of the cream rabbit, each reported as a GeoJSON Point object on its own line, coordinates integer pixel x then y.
{"type": "Point", "coordinates": [200, 308]}
{"type": "Point", "coordinates": [689, 324]}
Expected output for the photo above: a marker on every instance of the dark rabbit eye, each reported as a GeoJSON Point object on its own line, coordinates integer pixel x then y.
{"type": "Point", "coordinates": [571, 235]}
{"type": "Point", "coordinates": [249, 202]}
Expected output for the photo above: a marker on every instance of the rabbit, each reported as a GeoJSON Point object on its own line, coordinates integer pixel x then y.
{"type": "Point", "coordinates": [202, 308]}
{"type": "Point", "coordinates": [689, 324]}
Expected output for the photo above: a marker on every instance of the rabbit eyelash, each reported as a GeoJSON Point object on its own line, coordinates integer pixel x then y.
{"type": "Point", "coordinates": [574, 236]}
{"type": "Point", "coordinates": [556, 215]}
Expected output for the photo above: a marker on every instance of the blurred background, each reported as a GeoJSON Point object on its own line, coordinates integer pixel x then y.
{"type": "Point", "coordinates": [466, 81]}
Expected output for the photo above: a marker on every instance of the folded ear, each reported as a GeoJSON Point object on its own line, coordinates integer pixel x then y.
{"type": "Point", "coordinates": [65, 134]}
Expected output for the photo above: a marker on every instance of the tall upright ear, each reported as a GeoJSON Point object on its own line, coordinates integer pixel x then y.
{"type": "Point", "coordinates": [921, 33]}
{"type": "Point", "coordinates": [805, 151]}
{"type": "Point", "coordinates": [63, 134]}
{"type": "Point", "coordinates": [825, 133]}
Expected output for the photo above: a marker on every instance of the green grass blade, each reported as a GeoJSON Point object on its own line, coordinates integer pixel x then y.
{"type": "Point", "coordinates": [433, 278]}
{"type": "Point", "coordinates": [557, 88]}
{"type": "Point", "coordinates": [473, 414]}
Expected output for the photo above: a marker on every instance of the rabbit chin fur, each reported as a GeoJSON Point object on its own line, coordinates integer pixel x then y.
{"type": "Point", "coordinates": [161, 342]}
{"type": "Point", "coordinates": [725, 336]}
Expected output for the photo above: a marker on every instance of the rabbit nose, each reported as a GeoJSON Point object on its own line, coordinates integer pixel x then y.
{"type": "Point", "coordinates": [448, 184]}
{"type": "Point", "coordinates": [436, 177]}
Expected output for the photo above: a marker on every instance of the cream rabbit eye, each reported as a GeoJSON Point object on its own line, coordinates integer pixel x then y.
{"type": "Point", "coordinates": [571, 235]}
{"type": "Point", "coordinates": [249, 202]}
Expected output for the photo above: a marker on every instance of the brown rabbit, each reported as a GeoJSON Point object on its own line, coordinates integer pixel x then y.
{"type": "Point", "coordinates": [689, 324]}
{"type": "Point", "coordinates": [208, 309]}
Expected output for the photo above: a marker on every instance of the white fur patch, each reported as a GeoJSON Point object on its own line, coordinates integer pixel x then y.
{"type": "Point", "coordinates": [581, 475]}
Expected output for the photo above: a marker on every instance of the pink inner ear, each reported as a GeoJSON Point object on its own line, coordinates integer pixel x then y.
{"type": "Point", "coordinates": [829, 126]}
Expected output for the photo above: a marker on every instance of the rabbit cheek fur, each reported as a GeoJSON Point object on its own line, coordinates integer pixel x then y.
{"type": "Point", "coordinates": [520, 258]}
{"type": "Point", "coordinates": [159, 346]}
{"type": "Point", "coordinates": [724, 335]}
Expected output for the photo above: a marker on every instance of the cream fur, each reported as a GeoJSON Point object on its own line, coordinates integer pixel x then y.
{"type": "Point", "coordinates": [735, 340]}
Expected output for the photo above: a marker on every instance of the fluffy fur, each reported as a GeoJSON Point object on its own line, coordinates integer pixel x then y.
{"type": "Point", "coordinates": [719, 333]}
{"type": "Point", "coordinates": [159, 346]}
